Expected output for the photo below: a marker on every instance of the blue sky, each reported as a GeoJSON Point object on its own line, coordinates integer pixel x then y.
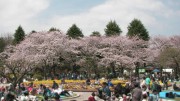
{"type": "Point", "coordinates": [68, 7]}
{"type": "Point", "coordinates": [160, 17]}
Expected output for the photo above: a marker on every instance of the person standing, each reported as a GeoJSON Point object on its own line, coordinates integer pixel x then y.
{"type": "Point", "coordinates": [154, 86]}
{"type": "Point", "coordinates": [109, 83]}
{"type": "Point", "coordinates": [118, 90]}
{"type": "Point", "coordinates": [143, 82]}
{"type": "Point", "coordinates": [147, 81]}
{"type": "Point", "coordinates": [155, 90]}
{"type": "Point", "coordinates": [106, 91]}
{"type": "Point", "coordinates": [165, 82]}
{"type": "Point", "coordinates": [137, 93]}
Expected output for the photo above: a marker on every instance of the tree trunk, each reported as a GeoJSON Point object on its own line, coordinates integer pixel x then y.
{"type": "Point", "coordinates": [14, 83]}
{"type": "Point", "coordinates": [114, 72]}
{"type": "Point", "coordinates": [45, 76]}
{"type": "Point", "coordinates": [178, 70]}
{"type": "Point", "coordinates": [161, 70]}
{"type": "Point", "coordinates": [137, 69]}
{"type": "Point", "coordinates": [113, 69]}
{"type": "Point", "coordinates": [176, 67]}
{"type": "Point", "coordinates": [122, 70]}
{"type": "Point", "coordinates": [54, 69]}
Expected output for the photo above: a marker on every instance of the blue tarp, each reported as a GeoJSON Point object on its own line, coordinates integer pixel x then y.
{"type": "Point", "coordinates": [164, 94]}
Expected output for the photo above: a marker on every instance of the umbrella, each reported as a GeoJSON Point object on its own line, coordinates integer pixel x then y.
{"type": "Point", "coordinates": [149, 68]}
{"type": "Point", "coordinates": [156, 70]}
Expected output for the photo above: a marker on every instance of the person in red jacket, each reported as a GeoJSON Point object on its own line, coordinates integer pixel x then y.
{"type": "Point", "coordinates": [91, 98]}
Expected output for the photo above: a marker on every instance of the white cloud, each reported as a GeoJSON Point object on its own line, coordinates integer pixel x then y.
{"type": "Point", "coordinates": [123, 11]}
{"type": "Point", "coordinates": [25, 12]}
{"type": "Point", "coordinates": [16, 12]}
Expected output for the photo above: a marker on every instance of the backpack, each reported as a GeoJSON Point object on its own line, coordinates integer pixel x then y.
{"type": "Point", "coordinates": [156, 87]}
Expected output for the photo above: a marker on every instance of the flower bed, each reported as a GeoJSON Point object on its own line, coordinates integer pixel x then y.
{"type": "Point", "coordinates": [74, 84]}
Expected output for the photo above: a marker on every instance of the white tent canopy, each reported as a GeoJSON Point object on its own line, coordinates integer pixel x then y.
{"type": "Point", "coordinates": [168, 70]}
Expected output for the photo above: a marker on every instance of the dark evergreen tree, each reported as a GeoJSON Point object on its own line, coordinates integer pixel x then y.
{"type": "Point", "coordinates": [53, 29]}
{"type": "Point", "coordinates": [112, 29]}
{"type": "Point", "coordinates": [33, 31]}
{"type": "Point", "coordinates": [74, 32]}
{"type": "Point", "coordinates": [19, 35]}
{"type": "Point", "coordinates": [95, 33]}
{"type": "Point", "coordinates": [2, 44]}
{"type": "Point", "coordinates": [136, 28]}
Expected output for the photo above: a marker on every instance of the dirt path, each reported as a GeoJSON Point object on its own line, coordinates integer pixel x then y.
{"type": "Point", "coordinates": [83, 96]}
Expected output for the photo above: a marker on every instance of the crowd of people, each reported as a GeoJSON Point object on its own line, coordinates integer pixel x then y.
{"type": "Point", "coordinates": [29, 93]}
{"type": "Point", "coordinates": [146, 89]}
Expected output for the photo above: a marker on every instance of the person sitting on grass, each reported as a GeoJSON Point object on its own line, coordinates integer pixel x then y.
{"type": "Point", "coordinates": [57, 97]}
{"type": "Point", "coordinates": [46, 98]}
{"type": "Point", "coordinates": [156, 88]}
{"type": "Point", "coordinates": [91, 98]}
{"type": "Point", "coordinates": [30, 87]}
{"type": "Point", "coordinates": [63, 81]}
{"type": "Point", "coordinates": [62, 92]}
{"type": "Point", "coordinates": [96, 82]}
{"type": "Point", "coordinates": [110, 83]}
{"type": "Point", "coordinates": [22, 88]}
{"type": "Point", "coordinates": [10, 97]}
{"type": "Point", "coordinates": [175, 87]}
{"type": "Point", "coordinates": [47, 91]}
{"type": "Point", "coordinates": [55, 85]}
{"type": "Point", "coordinates": [40, 90]}
{"type": "Point", "coordinates": [88, 81]}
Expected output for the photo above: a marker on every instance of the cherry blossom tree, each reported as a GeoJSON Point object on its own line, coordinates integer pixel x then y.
{"type": "Point", "coordinates": [88, 55]}
{"type": "Point", "coordinates": [43, 49]}
{"type": "Point", "coordinates": [165, 52]}
{"type": "Point", "coordinates": [169, 57]}
{"type": "Point", "coordinates": [50, 51]}
{"type": "Point", "coordinates": [122, 51]}
{"type": "Point", "coordinates": [15, 71]}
